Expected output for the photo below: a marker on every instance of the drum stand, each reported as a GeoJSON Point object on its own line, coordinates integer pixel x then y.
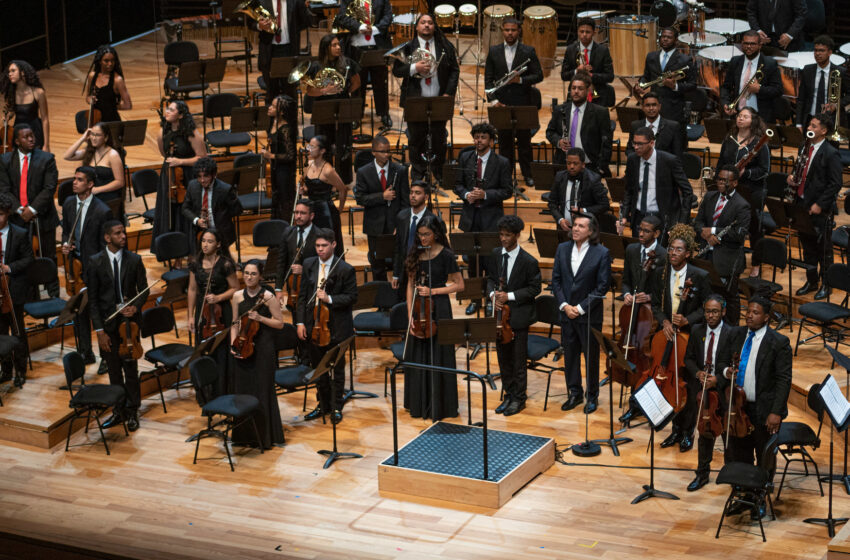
{"type": "Point", "coordinates": [461, 81]}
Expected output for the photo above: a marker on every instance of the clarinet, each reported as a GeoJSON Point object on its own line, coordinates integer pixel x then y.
{"type": "Point", "coordinates": [719, 235]}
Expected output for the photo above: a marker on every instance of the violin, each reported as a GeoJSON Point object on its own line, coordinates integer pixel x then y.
{"type": "Point", "coordinates": [635, 325]}
{"type": "Point", "coordinates": [211, 313]}
{"type": "Point", "coordinates": [293, 281]}
{"type": "Point", "coordinates": [8, 137]}
{"type": "Point", "coordinates": [6, 305]}
{"type": "Point", "coordinates": [422, 324]}
{"type": "Point", "coordinates": [321, 333]}
{"type": "Point", "coordinates": [738, 423]}
{"type": "Point", "coordinates": [709, 417]}
{"type": "Point", "coordinates": [243, 346]}
{"type": "Point", "coordinates": [73, 267]}
{"type": "Point", "coordinates": [93, 116]}
{"type": "Point", "coordinates": [504, 332]}
{"type": "Point", "coordinates": [130, 343]}
{"type": "Point", "coordinates": [176, 183]}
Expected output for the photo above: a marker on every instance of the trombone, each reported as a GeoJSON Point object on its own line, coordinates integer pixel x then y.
{"type": "Point", "coordinates": [839, 135]}
{"type": "Point", "coordinates": [757, 77]}
{"type": "Point", "coordinates": [676, 75]}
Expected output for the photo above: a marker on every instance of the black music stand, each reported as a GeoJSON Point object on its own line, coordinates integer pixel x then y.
{"type": "Point", "coordinates": [127, 133]}
{"type": "Point", "coordinates": [548, 241]}
{"type": "Point", "coordinates": [544, 174]}
{"type": "Point", "coordinates": [615, 356]}
{"type": "Point", "coordinates": [844, 362]}
{"type": "Point", "coordinates": [369, 59]}
{"type": "Point", "coordinates": [280, 69]}
{"type": "Point", "coordinates": [334, 453]}
{"type": "Point", "coordinates": [203, 73]}
{"type": "Point", "coordinates": [514, 118]}
{"type": "Point", "coordinates": [250, 119]}
{"type": "Point", "coordinates": [384, 250]}
{"type": "Point", "coordinates": [474, 290]}
{"type": "Point", "coordinates": [427, 109]}
{"type": "Point", "coordinates": [366, 294]}
{"type": "Point", "coordinates": [475, 244]}
{"type": "Point", "coordinates": [333, 112]}
{"type": "Point", "coordinates": [658, 412]}
{"type": "Point", "coordinates": [472, 331]}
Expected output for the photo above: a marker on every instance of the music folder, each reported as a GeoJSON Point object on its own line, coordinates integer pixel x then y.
{"type": "Point", "coordinates": [653, 404]}
{"type": "Point", "coordinates": [836, 403]}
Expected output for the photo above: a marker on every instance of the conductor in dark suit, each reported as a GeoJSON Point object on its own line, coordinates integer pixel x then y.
{"type": "Point", "coordinates": [588, 56]}
{"type": "Point", "coordinates": [668, 136]}
{"type": "Point", "coordinates": [290, 18]}
{"type": "Point", "coordinates": [406, 222]}
{"type": "Point", "coordinates": [816, 81]}
{"type": "Point", "coordinates": [502, 58]}
{"type": "Point", "coordinates": [761, 94]}
{"type": "Point", "coordinates": [115, 277]}
{"type": "Point", "coordinates": [210, 202]}
{"type": "Point", "coordinates": [576, 189]}
{"type": "Point", "coordinates": [339, 294]}
{"type": "Point", "coordinates": [779, 23]}
{"type": "Point", "coordinates": [579, 124]}
{"type": "Point", "coordinates": [381, 189]}
{"type": "Point", "coordinates": [16, 257]}
{"type": "Point", "coordinates": [298, 244]}
{"type": "Point", "coordinates": [580, 279]}
{"type": "Point", "coordinates": [521, 274]}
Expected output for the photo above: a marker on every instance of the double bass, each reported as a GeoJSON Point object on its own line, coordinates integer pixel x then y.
{"type": "Point", "coordinates": [635, 325]}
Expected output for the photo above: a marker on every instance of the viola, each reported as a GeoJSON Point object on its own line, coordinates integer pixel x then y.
{"type": "Point", "coordinates": [504, 332]}
{"type": "Point", "coordinates": [709, 417]}
{"type": "Point", "coordinates": [422, 324]}
{"type": "Point", "coordinates": [635, 325]}
{"type": "Point", "coordinates": [738, 423]}
{"type": "Point", "coordinates": [6, 305]}
{"type": "Point", "coordinates": [93, 116]}
{"type": "Point", "coordinates": [73, 275]}
{"type": "Point", "coordinates": [293, 281]}
{"type": "Point", "coordinates": [243, 346]}
{"type": "Point", "coordinates": [8, 137]}
{"type": "Point", "coordinates": [176, 184]}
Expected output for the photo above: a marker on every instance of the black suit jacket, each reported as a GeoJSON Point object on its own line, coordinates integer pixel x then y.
{"type": "Point", "coordinates": [402, 229]}
{"type": "Point", "coordinates": [632, 268]}
{"type": "Point", "coordinates": [823, 179]}
{"type": "Point", "coordinates": [225, 205]}
{"type": "Point", "coordinates": [667, 138]}
{"type": "Point", "coordinates": [771, 84]}
{"type": "Point", "coordinates": [592, 194]}
{"type": "Point", "coordinates": [102, 298]}
{"type": "Point", "coordinates": [91, 237]}
{"type": "Point", "coordinates": [42, 178]}
{"type": "Point", "coordinates": [496, 68]}
{"type": "Point", "coordinates": [18, 255]}
{"type": "Point", "coordinates": [789, 17]}
{"type": "Point", "coordinates": [729, 254]}
{"type": "Point", "coordinates": [289, 247]}
{"type": "Point", "coordinates": [662, 303]}
{"type": "Point", "coordinates": [382, 17]}
{"type": "Point", "coordinates": [341, 285]}
{"type": "Point", "coordinates": [585, 286]}
{"type": "Point", "coordinates": [603, 70]}
{"type": "Point", "coordinates": [298, 18]}
{"type": "Point", "coordinates": [695, 352]}
{"type": "Point", "coordinates": [672, 101]}
{"type": "Point", "coordinates": [496, 183]}
{"type": "Point", "coordinates": [671, 188]}
{"type": "Point", "coordinates": [595, 134]}
{"type": "Point", "coordinates": [524, 282]}
{"type": "Point", "coordinates": [807, 88]}
{"type": "Point", "coordinates": [448, 72]}
{"type": "Point", "coordinates": [378, 214]}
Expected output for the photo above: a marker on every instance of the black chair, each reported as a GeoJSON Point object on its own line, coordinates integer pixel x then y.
{"type": "Point", "coordinates": [692, 165]}
{"type": "Point", "coordinates": [300, 376]}
{"type": "Point", "coordinates": [234, 409]}
{"type": "Point", "coordinates": [174, 54]}
{"type": "Point", "coordinates": [171, 246]}
{"type": "Point", "coordinates": [825, 314]}
{"type": "Point", "coordinates": [88, 400]}
{"type": "Point", "coordinates": [269, 233]}
{"type": "Point", "coordinates": [145, 182]}
{"type": "Point", "coordinates": [220, 105]}
{"type": "Point", "coordinates": [247, 159]}
{"type": "Point", "coordinates": [541, 346]}
{"type": "Point", "coordinates": [7, 347]}
{"type": "Point", "coordinates": [751, 484]}
{"type": "Point", "coordinates": [841, 240]}
{"type": "Point", "coordinates": [770, 252]}
{"type": "Point", "coordinates": [166, 358]}
{"type": "Point", "coordinates": [63, 191]}
{"type": "Point", "coordinates": [717, 129]}
{"type": "Point", "coordinates": [286, 340]}
{"type": "Point", "coordinates": [795, 437]}
{"type": "Point", "coordinates": [43, 271]}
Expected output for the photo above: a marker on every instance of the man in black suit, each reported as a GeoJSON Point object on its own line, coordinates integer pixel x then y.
{"type": "Point", "coordinates": [668, 136]}
{"type": "Point", "coordinates": [290, 22]}
{"type": "Point", "coordinates": [636, 283]}
{"type": "Point", "coordinates": [779, 23]}
{"type": "Point", "coordinates": [592, 58]}
{"type": "Point", "coordinates": [576, 189]}
{"type": "Point", "coordinates": [298, 241]}
{"type": "Point", "coordinates": [656, 185]}
{"type": "Point", "coordinates": [83, 216]}
{"type": "Point", "coordinates": [406, 222]}
{"type": "Point", "coordinates": [501, 59]}
{"type": "Point", "coordinates": [115, 277]}
{"type": "Point", "coordinates": [582, 125]}
{"type": "Point", "coordinates": [34, 202]}
{"type": "Point", "coordinates": [580, 279]}
{"type": "Point", "coordinates": [381, 189]}
{"type": "Point", "coordinates": [366, 36]}
{"type": "Point", "coordinates": [816, 193]}
{"type": "Point", "coordinates": [15, 257]}
{"type": "Point", "coordinates": [761, 94]}
{"type": "Point", "coordinates": [514, 284]}
{"type": "Point", "coordinates": [339, 294]}
{"type": "Point", "coordinates": [816, 82]}
{"type": "Point", "coordinates": [423, 80]}
{"type": "Point", "coordinates": [718, 210]}
{"type": "Point", "coordinates": [210, 202]}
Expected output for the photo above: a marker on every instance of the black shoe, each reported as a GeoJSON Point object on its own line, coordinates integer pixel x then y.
{"type": "Point", "coordinates": [315, 413]}
{"type": "Point", "coordinates": [112, 421]}
{"type": "Point", "coordinates": [737, 508]}
{"type": "Point", "coordinates": [104, 367]}
{"type": "Point", "coordinates": [572, 402]}
{"type": "Point", "coordinates": [686, 444]}
{"type": "Point", "coordinates": [133, 422]}
{"type": "Point", "coordinates": [88, 358]}
{"type": "Point", "coordinates": [19, 381]}
{"type": "Point", "coordinates": [472, 308]}
{"type": "Point", "coordinates": [807, 287]}
{"type": "Point", "coordinates": [630, 415]}
{"type": "Point", "coordinates": [823, 293]}
{"type": "Point", "coordinates": [697, 483]}
{"type": "Point", "coordinates": [336, 417]}
{"type": "Point", "coordinates": [758, 512]}
{"type": "Point", "coordinates": [590, 407]}
{"type": "Point", "coordinates": [387, 121]}
{"type": "Point", "coordinates": [488, 309]}
{"type": "Point", "coordinates": [505, 404]}
{"type": "Point", "coordinates": [5, 376]}
{"type": "Point", "coordinates": [672, 439]}
{"type": "Point", "coordinates": [529, 181]}
{"type": "Point", "coordinates": [514, 408]}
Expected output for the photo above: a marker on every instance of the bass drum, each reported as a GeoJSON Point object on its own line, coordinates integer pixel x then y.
{"type": "Point", "coordinates": [668, 12]}
{"type": "Point", "coordinates": [790, 68]}
{"type": "Point", "coordinates": [601, 34]}
{"type": "Point", "coordinates": [711, 64]}
{"type": "Point", "coordinates": [630, 39]}
{"type": "Point", "coordinates": [692, 43]}
{"type": "Point", "coordinates": [491, 23]}
{"type": "Point", "coordinates": [540, 30]}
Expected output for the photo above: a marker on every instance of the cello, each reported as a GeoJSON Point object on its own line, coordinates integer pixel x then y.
{"type": "Point", "coordinates": [738, 423]}
{"type": "Point", "coordinates": [210, 312]}
{"type": "Point", "coordinates": [321, 333]}
{"type": "Point", "coordinates": [639, 319]}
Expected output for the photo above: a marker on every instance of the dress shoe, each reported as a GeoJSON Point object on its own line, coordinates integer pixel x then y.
{"type": "Point", "coordinates": [336, 417]}
{"type": "Point", "coordinates": [737, 508]}
{"type": "Point", "coordinates": [671, 440]}
{"type": "Point", "coordinates": [387, 120]}
{"type": "Point", "coordinates": [88, 358]}
{"type": "Point", "coordinates": [505, 404]}
{"type": "Point", "coordinates": [572, 402]}
{"type": "Point", "coordinates": [697, 483]}
{"type": "Point", "coordinates": [472, 308]}
{"type": "Point", "coordinates": [514, 408]}
{"type": "Point", "coordinates": [590, 407]}
{"type": "Point", "coordinates": [529, 181]}
{"type": "Point", "coordinates": [687, 443]}
{"type": "Point", "coordinates": [630, 415]}
{"type": "Point", "coordinates": [20, 379]}
{"type": "Point", "coordinates": [314, 414]}
{"type": "Point", "coordinates": [806, 288]}
{"type": "Point", "coordinates": [112, 421]}
{"type": "Point", "coordinates": [5, 376]}
{"type": "Point", "coordinates": [103, 368]}
{"type": "Point", "coordinates": [758, 512]}
{"type": "Point", "coordinates": [133, 422]}
{"type": "Point", "coordinates": [823, 293]}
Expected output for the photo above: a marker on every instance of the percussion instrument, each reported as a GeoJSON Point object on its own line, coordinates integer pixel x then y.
{"type": "Point", "coordinates": [845, 49]}
{"type": "Point", "coordinates": [731, 28]}
{"type": "Point", "coordinates": [630, 39]}
{"type": "Point", "coordinates": [792, 67]}
{"type": "Point", "coordinates": [491, 26]}
{"type": "Point", "coordinates": [601, 35]}
{"type": "Point", "coordinates": [445, 16]}
{"type": "Point", "coordinates": [402, 28]}
{"type": "Point", "coordinates": [691, 43]}
{"type": "Point", "coordinates": [468, 14]}
{"type": "Point", "coordinates": [668, 12]}
{"type": "Point", "coordinates": [540, 30]}
{"type": "Point", "coordinates": [711, 65]}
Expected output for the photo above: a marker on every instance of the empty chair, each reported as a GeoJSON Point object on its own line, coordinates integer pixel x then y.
{"type": "Point", "coordinates": [220, 105]}
{"type": "Point", "coordinates": [88, 401]}
{"type": "Point", "coordinates": [541, 346]}
{"type": "Point", "coordinates": [795, 437]}
{"type": "Point", "coordinates": [166, 358]}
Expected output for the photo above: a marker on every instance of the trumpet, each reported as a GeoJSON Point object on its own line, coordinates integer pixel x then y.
{"type": "Point", "coordinates": [839, 135]}
{"type": "Point", "coordinates": [757, 77]}
{"type": "Point", "coordinates": [799, 167]}
{"type": "Point", "coordinates": [579, 62]}
{"type": "Point", "coordinates": [255, 10]}
{"type": "Point", "coordinates": [675, 75]}
{"type": "Point", "coordinates": [506, 79]}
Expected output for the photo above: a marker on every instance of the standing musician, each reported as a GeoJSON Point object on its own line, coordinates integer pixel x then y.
{"type": "Point", "coordinates": [592, 58]}
{"type": "Point", "coordinates": [576, 189]}
{"type": "Point", "coordinates": [381, 189]}
{"type": "Point", "coordinates": [636, 254]}
{"type": "Point", "coordinates": [816, 83]}
{"type": "Point", "coordinates": [818, 187]}
{"type": "Point", "coordinates": [579, 124]}
{"type": "Point", "coordinates": [764, 90]}
{"type": "Point", "coordinates": [280, 36]}
{"type": "Point", "coordinates": [15, 257]}
{"type": "Point", "coordinates": [327, 281]}
{"type": "Point", "coordinates": [580, 279]}
{"type": "Point", "coordinates": [115, 277]}
{"type": "Point", "coordinates": [779, 23]}
{"type": "Point", "coordinates": [281, 152]}
{"type": "Point", "coordinates": [95, 148]}
{"type": "Point", "coordinates": [406, 222]}
{"type": "Point", "coordinates": [513, 284]}
{"type": "Point", "coordinates": [83, 216]}
{"type": "Point", "coordinates": [298, 244]}
{"type": "Point", "coordinates": [483, 181]}
{"type": "Point", "coordinates": [667, 132]}
{"type": "Point", "coordinates": [24, 95]}
{"type": "Point", "coordinates": [318, 182]}
{"type": "Point", "coordinates": [365, 36]}
{"type": "Point", "coordinates": [210, 202]}
{"type": "Point", "coordinates": [721, 209]}
{"type": "Point", "coordinates": [435, 75]}
{"type": "Point", "coordinates": [502, 59]}
{"type": "Point", "coordinates": [105, 88]}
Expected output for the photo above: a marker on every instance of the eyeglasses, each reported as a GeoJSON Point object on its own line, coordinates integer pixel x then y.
{"type": "Point", "coordinates": [640, 143]}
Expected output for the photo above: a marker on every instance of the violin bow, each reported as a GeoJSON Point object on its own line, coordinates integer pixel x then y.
{"type": "Point", "coordinates": [328, 275]}
{"type": "Point", "coordinates": [132, 300]}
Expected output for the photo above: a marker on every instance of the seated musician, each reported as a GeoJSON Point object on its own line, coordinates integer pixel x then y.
{"type": "Point", "coordinates": [83, 216]}
{"type": "Point", "coordinates": [576, 189]}
{"type": "Point", "coordinates": [586, 55]}
{"type": "Point", "coordinates": [210, 202]}
{"type": "Point", "coordinates": [667, 132]}
{"type": "Point", "coordinates": [514, 284]}
{"type": "Point", "coordinates": [297, 245]}
{"type": "Point", "coordinates": [15, 257]}
{"type": "Point", "coordinates": [762, 90]}
{"type": "Point", "coordinates": [406, 222]}
{"type": "Point", "coordinates": [115, 277]}
{"type": "Point", "coordinates": [779, 23]}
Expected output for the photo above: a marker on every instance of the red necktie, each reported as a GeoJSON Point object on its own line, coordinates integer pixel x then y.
{"type": "Point", "coordinates": [709, 354]}
{"type": "Point", "coordinates": [383, 180]}
{"type": "Point", "coordinates": [368, 19]}
{"type": "Point", "coordinates": [23, 187]}
{"type": "Point", "coordinates": [428, 79]}
{"type": "Point", "coordinates": [718, 210]}
{"type": "Point", "coordinates": [279, 9]}
{"type": "Point", "coordinates": [802, 186]}
{"type": "Point", "coordinates": [587, 62]}
{"type": "Point", "coordinates": [205, 205]}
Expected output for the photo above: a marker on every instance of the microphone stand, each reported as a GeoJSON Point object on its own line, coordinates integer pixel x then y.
{"type": "Point", "coordinates": [587, 448]}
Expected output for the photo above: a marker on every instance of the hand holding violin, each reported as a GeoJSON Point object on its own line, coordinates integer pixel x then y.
{"type": "Point", "coordinates": [707, 378]}
{"type": "Point", "coordinates": [424, 291]}
{"type": "Point", "coordinates": [501, 298]}
{"type": "Point", "coordinates": [323, 296]}
{"type": "Point", "coordinates": [129, 311]}
{"type": "Point", "coordinates": [773, 421]}
{"type": "Point", "coordinates": [254, 316]}
{"type": "Point", "coordinates": [212, 298]}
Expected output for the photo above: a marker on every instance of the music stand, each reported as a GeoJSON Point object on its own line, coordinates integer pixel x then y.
{"type": "Point", "coordinates": [338, 351]}
{"type": "Point", "coordinates": [844, 362]}
{"type": "Point", "coordinates": [474, 290]}
{"type": "Point", "coordinates": [514, 118]}
{"type": "Point", "coordinates": [333, 112]}
{"type": "Point", "coordinates": [548, 241]}
{"type": "Point", "coordinates": [475, 244]}
{"type": "Point", "coordinates": [658, 412]}
{"type": "Point", "coordinates": [615, 245]}
{"type": "Point", "coordinates": [472, 331]}
{"type": "Point", "coordinates": [250, 119]}
{"type": "Point", "coordinates": [544, 174]}
{"type": "Point", "coordinates": [202, 73]}
{"type": "Point", "coordinates": [384, 250]}
{"type": "Point", "coordinates": [427, 109]}
{"type": "Point", "coordinates": [369, 59]}
{"type": "Point", "coordinates": [615, 356]}
{"type": "Point", "coordinates": [280, 69]}
{"type": "Point", "coordinates": [366, 294]}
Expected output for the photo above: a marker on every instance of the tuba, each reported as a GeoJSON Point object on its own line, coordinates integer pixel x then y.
{"type": "Point", "coordinates": [254, 10]}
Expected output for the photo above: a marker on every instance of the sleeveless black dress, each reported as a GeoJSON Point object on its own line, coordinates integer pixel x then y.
{"type": "Point", "coordinates": [103, 175]}
{"type": "Point", "coordinates": [218, 285]}
{"type": "Point", "coordinates": [167, 215]}
{"type": "Point", "coordinates": [27, 113]}
{"type": "Point", "coordinates": [282, 173]}
{"type": "Point", "coordinates": [327, 214]}
{"type": "Point", "coordinates": [107, 100]}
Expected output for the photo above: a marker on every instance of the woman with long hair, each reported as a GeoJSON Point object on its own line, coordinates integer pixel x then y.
{"type": "Point", "coordinates": [432, 275]}
{"type": "Point", "coordinates": [281, 153]}
{"type": "Point", "coordinates": [105, 86]}
{"type": "Point", "coordinates": [96, 148]}
{"type": "Point", "coordinates": [24, 96]}
{"type": "Point", "coordinates": [318, 183]}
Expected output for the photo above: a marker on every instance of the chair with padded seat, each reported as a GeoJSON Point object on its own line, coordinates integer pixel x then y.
{"type": "Point", "coordinates": [43, 271]}
{"type": "Point", "coordinates": [89, 401]}
{"type": "Point", "coordinates": [771, 252]}
{"type": "Point", "coordinates": [541, 346]}
{"type": "Point", "coordinates": [795, 437]}
{"type": "Point", "coordinates": [302, 376]}
{"type": "Point", "coordinates": [220, 105]}
{"type": "Point", "coordinates": [174, 54]}
{"type": "Point", "coordinates": [145, 182]}
{"type": "Point", "coordinates": [830, 317]}
{"type": "Point", "coordinates": [166, 358]}
{"type": "Point", "coordinates": [172, 246]}
{"type": "Point", "coordinates": [63, 191]}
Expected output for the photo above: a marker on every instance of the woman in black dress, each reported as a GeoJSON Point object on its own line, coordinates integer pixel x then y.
{"type": "Point", "coordinates": [281, 153]}
{"type": "Point", "coordinates": [422, 389]}
{"type": "Point", "coordinates": [212, 282]}
{"type": "Point", "coordinates": [105, 83]}
{"type": "Point", "coordinates": [255, 375]}
{"type": "Point", "coordinates": [28, 102]}
{"type": "Point", "coordinates": [96, 148]}
{"type": "Point", "coordinates": [319, 181]}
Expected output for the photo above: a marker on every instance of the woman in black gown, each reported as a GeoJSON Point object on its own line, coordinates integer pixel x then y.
{"type": "Point", "coordinates": [318, 183]}
{"type": "Point", "coordinates": [281, 153]}
{"type": "Point", "coordinates": [96, 148]}
{"type": "Point", "coordinates": [422, 389]}
{"type": "Point", "coordinates": [212, 282]}
{"type": "Point", "coordinates": [255, 375]}
{"type": "Point", "coordinates": [28, 102]}
{"type": "Point", "coordinates": [105, 83]}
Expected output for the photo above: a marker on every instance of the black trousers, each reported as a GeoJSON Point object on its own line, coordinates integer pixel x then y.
{"type": "Point", "coordinates": [380, 267]}
{"type": "Point", "coordinates": [18, 358]}
{"type": "Point", "coordinates": [685, 421]}
{"type": "Point", "coordinates": [506, 149]}
{"type": "Point", "coordinates": [513, 365]}
{"type": "Point", "coordinates": [814, 251]}
{"type": "Point", "coordinates": [82, 330]}
{"type": "Point", "coordinates": [417, 133]}
{"type": "Point", "coordinates": [323, 385]}
{"type": "Point", "coordinates": [377, 76]}
{"type": "Point", "coordinates": [746, 449]}
{"type": "Point", "coordinates": [283, 190]}
{"type": "Point", "coordinates": [124, 373]}
{"type": "Point", "coordinates": [574, 340]}
{"type": "Point", "coordinates": [705, 451]}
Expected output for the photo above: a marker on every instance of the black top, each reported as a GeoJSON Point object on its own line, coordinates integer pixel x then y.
{"type": "Point", "coordinates": [27, 113]}
{"type": "Point", "coordinates": [102, 176]}
{"type": "Point", "coordinates": [106, 99]}
{"type": "Point", "coordinates": [440, 267]}
{"type": "Point", "coordinates": [218, 285]}
{"type": "Point", "coordinates": [281, 145]}
{"type": "Point", "coordinates": [758, 168]}
{"type": "Point", "coordinates": [181, 144]}
{"type": "Point", "coordinates": [248, 302]}
{"type": "Point", "coordinates": [318, 189]}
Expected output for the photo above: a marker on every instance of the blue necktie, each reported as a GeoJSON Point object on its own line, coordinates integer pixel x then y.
{"type": "Point", "coordinates": [664, 61]}
{"type": "Point", "coordinates": [411, 234]}
{"type": "Point", "coordinates": [745, 357]}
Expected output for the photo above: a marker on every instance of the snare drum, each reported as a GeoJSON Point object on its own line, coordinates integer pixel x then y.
{"type": "Point", "coordinates": [540, 30]}
{"type": "Point", "coordinates": [711, 64]}
{"type": "Point", "coordinates": [730, 28]}
{"type": "Point", "coordinates": [692, 43]}
{"type": "Point", "coordinates": [792, 67]}
{"type": "Point", "coordinates": [445, 16]}
{"type": "Point", "coordinates": [491, 32]}
{"type": "Point", "coordinates": [601, 34]}
{"type": "Point", "coordinates": [468, 13]}
{"type": "Point", "coordinates": [630, 39]}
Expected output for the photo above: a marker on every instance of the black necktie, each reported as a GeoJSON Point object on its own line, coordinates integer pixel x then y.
{"type": "Point", "coordinates": [300, 237]}
{"type": "Point", "coordinates": [78, 231]}
{"type": "Point", "coordinates": [644, 188]}
{"type": "Point", "coordinates": [411, 234]}
{"type": "Point", "coordinates": [643, 256]}
{"type": "Point", "coordinates": [505, 258]}
{"type": "Point", "coordinates": [116, 281]}
{"type": "Point", "coordinates": [821, 96]}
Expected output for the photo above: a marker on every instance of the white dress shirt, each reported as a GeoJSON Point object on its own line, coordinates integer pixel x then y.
{"type": "Point", "coordinates": [360, 40]}
{"type": "Point", "coordinates": [432, 90]}
{"type": "Point", "coordinates": [582, 49]}
{"type": "Point", "coordinates": [752, 100]}
{"type": "Point", "coordinates": [644, 251]}
{"type": "Point", "coordinates": [571, 186]}
{"type": "Point", "coordinates": [510, 54]}
{"type": "Point", "coordinates": [750, 374]}
{"type": "Point", "coordinates": [815, 148]}
{"type": "Point", "coordinates": [284, 25]}
{"type": "Point", "coordinates": [115, 257]}
{"type": "Point", "coordinates": [653, 125]}
{"type": "Point", "coordinates": [5, 234]}
{"type": "Point", "coordinates": [676, 286]}
{"type": "Point", "coordinates": [825, 71]}
{"type": "Point", "coordinates": [576, 258]}
{"type": "Point", "coordinates": [512, 255]}
{"type": "Point", "coordinates": [651, 197]}
{"type": "Point", "coordinates": [83, 213]}
{"type": "Point", "coordinates": [484, 159]}
{"type": "Point", "coordinates": [327, 265]}
{"type": "Point", "coordinates": [712, 359]}
{"type": "Point", "coordinates": [719, 198]}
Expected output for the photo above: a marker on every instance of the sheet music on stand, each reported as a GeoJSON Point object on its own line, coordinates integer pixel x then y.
{"type": "Point", "coordinates": [836, 403]}
{"type": "Point", "coordinates": [654, 405]}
